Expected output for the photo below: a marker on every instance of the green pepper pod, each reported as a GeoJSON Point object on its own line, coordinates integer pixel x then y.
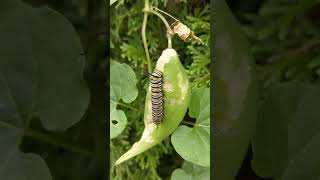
{"type": "Point", "coordinates": [176, 90]}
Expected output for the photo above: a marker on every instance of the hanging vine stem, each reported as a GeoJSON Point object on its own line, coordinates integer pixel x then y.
{"type": "Point", "coordinates": [147, 10]}
{"type": "Point", "coordinates": [143, 34]}
{"type": "Point", "coordinates": [169, 30]}
{"type": "Point", "coordinates": [165, 13]}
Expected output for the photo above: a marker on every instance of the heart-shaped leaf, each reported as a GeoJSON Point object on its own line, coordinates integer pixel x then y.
{"type": "Point", "coordinates": [118, 119]}
{"type": "Point", "coordinates": [122, 86]}
{"type": "Point", "coordinates": [42, 66]}
{"type": "Point", "coordinates": [40, 76]}
{"type": "Point", "coordinates": [287, 139]}
{"type": "Point", "coordinates": [25, 166]}
{"type": "Point", "coordinates": [234, 91]}
{"type": "Point", "coordinates": [193, 144]}
{"type": "Point", "coordinates": [190, 171]}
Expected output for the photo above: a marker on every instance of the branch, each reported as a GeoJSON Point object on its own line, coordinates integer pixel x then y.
{"type": "Point", "coordinates": [169, 35]}
{"type": "Point", "coordinates": [143, 34]}
{"type": "Point", "coordinates": [45, 138]}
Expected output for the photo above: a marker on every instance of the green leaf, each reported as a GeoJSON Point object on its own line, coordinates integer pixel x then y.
{"type": "Point", "coordinates": [286, 143]}
{"type": "Point", "coordinates": [191, 171]}
{"type": "Point", "coordinates": [43, 73]}
{"type": "Point", "coordinates": [122, 86]}
{"type": "Point", "coordinates": [40, 77]}
{"type": "Point", "coordinates": [234, 93]}
{"type": "Point", "coordinates": [118, 119]}
{"type": "Point", "coordinates": [193, 144]}
{"type": "Point", "coordinates": [25, 166]}
{"type": "Point", "coordinates": [180, 174]}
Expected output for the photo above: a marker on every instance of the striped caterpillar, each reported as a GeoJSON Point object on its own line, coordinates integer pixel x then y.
{"type": "Point", "coordinates": [156, 97]}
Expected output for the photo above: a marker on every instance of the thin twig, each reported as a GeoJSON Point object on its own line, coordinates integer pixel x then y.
{"type": "Point", "coordinates": [124, 105]}
{"type": "Point", "coordinates": [164, 13]}
{"type": "Point", "coordinates": [170, 33]}
{"type": "Point", "coordinates": [187, 122]}
{"type": "Point", "coordinates": [193, 124]}
{"type": "Point", "coordinates": [169, 30]}
{"type": "Point", "coordinates": [202, 125]}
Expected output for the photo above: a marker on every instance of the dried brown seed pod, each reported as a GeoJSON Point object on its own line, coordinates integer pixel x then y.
{"type": "Point", "coordinates": [184, 32]}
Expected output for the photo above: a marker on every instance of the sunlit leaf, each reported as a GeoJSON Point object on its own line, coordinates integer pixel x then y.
{"type": "Point", "coordinates": [193, 144]}
{"type": "Point", "coordinates": [190, 171]}
{"type": "Point", "coordinates": [122, 86]}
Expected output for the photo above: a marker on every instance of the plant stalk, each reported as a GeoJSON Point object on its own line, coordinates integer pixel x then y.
{"type": "Point", "coordinates": [165, 13]}
{"type": "Point", "coordinates": [143, 34]}
{"type": "Point", "coordinates": [124, 105]}
{"type": "Point", "coordinates": [169, 35]}
{"type": "Point", "coordinates": [169, 30]}
{"type": "Point", "coordinates": [45, 138]}
{"type": "Point", "coordinates": [193, 124]}
{"type": "Point", "coordinates": [187, 122]}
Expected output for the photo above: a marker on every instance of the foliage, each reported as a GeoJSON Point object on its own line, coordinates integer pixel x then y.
{"type": "Point", "coordinates": [234, 93]}
{"type": "Point", "coordinates": [200, 54]}
{"type": "Point", "coordinates": [126, 22]}
{"type": "Point", "coordinates": [285, 43]}
{"type": "Point", "coordinates": [193, 144]}
{"type": "Point", "coordinates": [286, 49]}
{"type": "Point", "coordinates": [122, 86]}
{"type": "Point", "coordinates": [191, 171]}
{"type": "Point", "coordinates": [287, 136]}
{"type": "Point", "coordinates": [284, 38]}
{"type": "Point", "coordinates": [20, 103]}
{"type": "Point", "coordinates": [45, 102]}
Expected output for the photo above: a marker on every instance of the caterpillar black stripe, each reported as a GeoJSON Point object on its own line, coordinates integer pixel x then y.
{"type": "Point", "coordinates": [156, 97]}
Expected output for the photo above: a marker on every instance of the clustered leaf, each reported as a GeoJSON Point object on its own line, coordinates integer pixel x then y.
{"type": "Point", "coordinates": [122, 86]}
{"type": "Point", "coordinates": [193, 144]}
{"type": "Point", "coordinates": [199, 51]}
{"type": "Point", "coordinates": [190, 171]}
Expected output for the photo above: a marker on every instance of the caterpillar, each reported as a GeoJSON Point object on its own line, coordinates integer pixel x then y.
{"type": "Point", "coordinates": [156, 97]}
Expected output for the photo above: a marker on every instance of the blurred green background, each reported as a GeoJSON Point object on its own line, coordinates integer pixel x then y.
{"type": "Point", "coordinates": [285, 39]}
{"type": "Point", "coordinates": [79, 152]}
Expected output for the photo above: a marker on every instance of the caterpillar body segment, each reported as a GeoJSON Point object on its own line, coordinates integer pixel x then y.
{"type": "Point", "coordinates": [156, 97]}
